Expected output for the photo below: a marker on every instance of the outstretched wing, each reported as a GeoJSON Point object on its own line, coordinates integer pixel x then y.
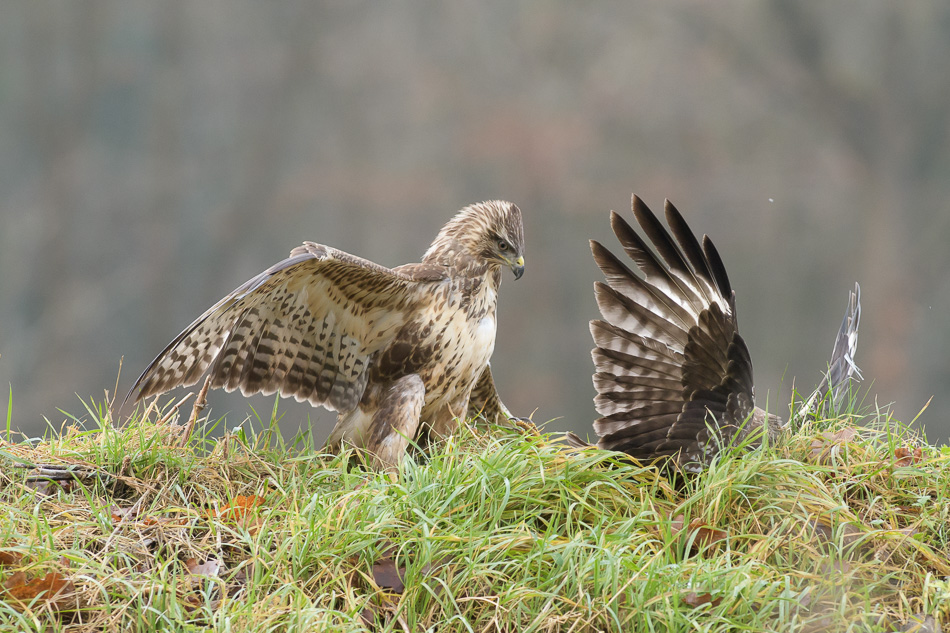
{"type": "Point", "coordinates": [841, 367]}
{"type": "Point", "coordinates": [669, 359]}
{"type": "Point", "coordinates": [306, 327]}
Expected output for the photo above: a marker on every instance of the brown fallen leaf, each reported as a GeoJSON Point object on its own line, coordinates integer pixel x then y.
{"type": "Point", "coordinates": [194, 602]}
{"type": "Point", "coordinates": [243, 573]}
{"type": "Point", "coordinates": [677, 524]}
{"type": "Point", "coordinates": [377, 616]}
{"type": "Point", "coordinates": [238, 509]}
{"type": "Point", "coordinates": [694, 599]}
{"type": "Point", "coordinates": [906, 457]}
{"type": "Point", "coordinates": [387, 575]}
{"type": "Point", "coordinates": [10, 558]}
{"type": "Point", "coordinates": [53, 589]}
{"type": "Point", "coordinates": [829, 446]}
{"type": "Point", "coordinates": [705, 534]}
{"type": "Point", "coordinates": [819, 530]}
{"type": "Point", "coordinates": [120, 514]}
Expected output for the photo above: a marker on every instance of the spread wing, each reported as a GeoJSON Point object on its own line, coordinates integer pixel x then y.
{"type": "Point", "coordinates": [306, 327]}
{"type": "Point", "coordinates": [669, 359]}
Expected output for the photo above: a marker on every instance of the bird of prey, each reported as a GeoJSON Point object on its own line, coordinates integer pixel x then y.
{"type": "Point", "coordinates": [673, 375]}
{"type": "Point", "coordinates": [397, 353]}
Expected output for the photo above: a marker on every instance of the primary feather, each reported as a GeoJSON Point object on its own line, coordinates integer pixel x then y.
{"type": "Point", "coordinates": [673, 375]}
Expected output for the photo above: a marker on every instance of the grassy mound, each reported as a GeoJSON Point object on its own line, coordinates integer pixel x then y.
{"type": "Point", "coordinates": [154, 527]}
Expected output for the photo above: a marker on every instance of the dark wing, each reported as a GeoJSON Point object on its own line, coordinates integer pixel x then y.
{"type": "Point", "coordinates": [484, 401]}
{"type": "Point", "coordinates": [306, 327]}
{"type": "Point", "coordinates": [841, 367]}
{"type": "Point", "coordinates": [668, 355]}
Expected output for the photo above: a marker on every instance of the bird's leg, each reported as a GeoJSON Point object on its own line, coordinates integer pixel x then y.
{"type": "Point", "coordinates": [395, 422]}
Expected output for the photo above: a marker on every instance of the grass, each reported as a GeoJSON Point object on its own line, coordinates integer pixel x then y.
{"type": "Point", "coordinates": [844, 527]}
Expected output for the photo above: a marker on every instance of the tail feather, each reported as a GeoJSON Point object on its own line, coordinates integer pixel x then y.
{"type": "Point", "coordinates": [575, 441]}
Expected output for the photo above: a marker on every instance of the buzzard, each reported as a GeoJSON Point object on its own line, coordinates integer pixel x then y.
{"type": "Point", "coordinates": [395, 352]}
{"type": "Point", "coordinates": [673, 375]}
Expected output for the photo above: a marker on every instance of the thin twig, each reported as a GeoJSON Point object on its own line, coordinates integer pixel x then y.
{"type": "Point", "coordinates": [62, 472]}
{"type": "Point", "coordinates": [200, 403]}
{"type": "Point", "coordinates": [148, 410]}
{"type": "Point", "coordinates": [115, 392]}
{"type": "Point", "coordinates": [174, 409]}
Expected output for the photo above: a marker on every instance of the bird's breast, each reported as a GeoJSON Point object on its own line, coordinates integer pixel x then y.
{"type": "Point", "coordinates": [485, 333]}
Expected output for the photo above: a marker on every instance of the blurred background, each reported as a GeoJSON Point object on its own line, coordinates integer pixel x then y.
{"type": "Point", "coordinates": [155, 155]}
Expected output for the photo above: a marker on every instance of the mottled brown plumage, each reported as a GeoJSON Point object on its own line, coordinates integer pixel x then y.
{"type": "Point", "coordinates": [673, 375]}
{"type": "Point", "coordinates": [393, 351]}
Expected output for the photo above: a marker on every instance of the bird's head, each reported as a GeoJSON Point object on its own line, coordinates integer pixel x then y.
{"type": "Point", "coordinates": [484, 233]}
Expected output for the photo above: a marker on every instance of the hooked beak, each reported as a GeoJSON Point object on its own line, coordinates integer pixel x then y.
{"type": "Point", "coordinates": [517, 266]}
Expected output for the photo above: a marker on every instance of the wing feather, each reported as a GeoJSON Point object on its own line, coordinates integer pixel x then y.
{"type": "Point", "coordinates": [669, 358]}
{"type": "Point", "coordinates": [485, 402]}
{"type": "Point", "coordinates": [305, 327]}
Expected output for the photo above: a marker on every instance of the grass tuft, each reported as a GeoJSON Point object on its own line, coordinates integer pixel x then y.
{"type": "Point", "coordinates": [842, 527]}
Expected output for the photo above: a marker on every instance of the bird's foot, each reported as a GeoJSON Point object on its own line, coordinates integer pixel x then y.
{"type": "Point", "coordinates": [526, 426]}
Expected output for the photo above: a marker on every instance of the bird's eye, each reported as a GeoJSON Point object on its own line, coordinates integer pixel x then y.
{"type": "Point", "coordinates": [502, 245]}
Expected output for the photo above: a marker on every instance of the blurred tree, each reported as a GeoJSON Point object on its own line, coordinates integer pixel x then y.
{"type": "Point", "coordinates": [156, 155]}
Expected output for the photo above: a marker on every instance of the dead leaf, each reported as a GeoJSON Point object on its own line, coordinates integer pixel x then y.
{"type": "Point", "coordinates": [819, 530]}
{"type": "Point", "coordinates": [55, 590]}
{"type": "Point", "coordinates": [906, 457]}
{"type": "Point", "coordinates": [120, 514]}
{"type": "Point", "coordinates": [368, 614]}
{"type": "Point", "coordinates": [238, 509]}
{"type": "Point", "coordinates": [705, 534]}
{"type": "Point", "coordinates": [387, 575]}
{"type": "Point", "coordinates": [377, 616]}
{"type": "Point", "coordinates": [209, 568]}
{"type": "Point", "coordinates": [676, 525]}
{"type": "Point", "coordinates": [10, 558]}
{"type": "Point", "coordinates": [828, 447]}
{"type": "Point", "coordinates": [701, 534]}
{"type": "Point", "coordinates": [851, 534]}
{"type": "Point", "coordinates": [694, 599]}
{"type": "Point", "coordinates": [16, 579]}
{"type": "Point", "coordinates": [243, 573]}
{"type": "Point", "coordinates": [194, 602]}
